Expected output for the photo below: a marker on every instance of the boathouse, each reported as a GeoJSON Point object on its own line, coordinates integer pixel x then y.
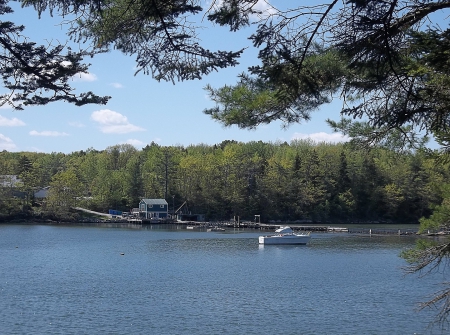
{"type": "Point", "coordinates": [154, 209]}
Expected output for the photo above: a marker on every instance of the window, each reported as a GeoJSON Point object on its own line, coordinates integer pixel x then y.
{"type": "Point", "coordinates": [162, 206]}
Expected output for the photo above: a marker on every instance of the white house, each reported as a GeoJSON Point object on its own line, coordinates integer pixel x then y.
{"type": "Point", "coordinates": [9, 180]}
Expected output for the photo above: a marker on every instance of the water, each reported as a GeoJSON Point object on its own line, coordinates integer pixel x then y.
{"type": "Point", "coordinates": [85, 280]}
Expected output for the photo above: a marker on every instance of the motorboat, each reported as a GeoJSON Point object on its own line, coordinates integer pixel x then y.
{"type": "Point", "coordinates": [285, 235]}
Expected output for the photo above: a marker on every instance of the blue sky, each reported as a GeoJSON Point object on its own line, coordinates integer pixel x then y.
{"type": "Point", "coordinates": [141, 110]}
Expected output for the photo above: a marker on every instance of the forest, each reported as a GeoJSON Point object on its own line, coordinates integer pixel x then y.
{"type": "Point", "coordinates": [301, 180]}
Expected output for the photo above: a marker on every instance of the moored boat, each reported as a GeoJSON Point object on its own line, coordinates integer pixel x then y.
{"type": "Point", "coordinates": [285, 235]}
{"type": "Point", "coordinates": [216, 228]}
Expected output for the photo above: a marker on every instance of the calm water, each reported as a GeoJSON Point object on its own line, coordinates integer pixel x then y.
{"type": "Point", "coordinates": [85, 280]}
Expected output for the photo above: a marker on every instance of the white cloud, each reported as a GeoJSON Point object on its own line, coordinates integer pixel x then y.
{"type": "Point", "coordinates": [262, 6]}
{"type": "Point", "coordinates": [14, 122]}
{"type": "Point", "coordinates": [108, 117]}
{"type": "Point", "coordinates": [321, 137]}
{"type": "Point", "coordinates": [265, 8]}
{"type": "Point", "coordinates": [47, 133]}
{"type": "Point", "coordinates": [80, 76]}
{"type": "Point", "coordinates": [6, 143]}
{"type": "Point", "coordinates": [113, 123]}
{"type": "Point", "coordinates": [116, 85]}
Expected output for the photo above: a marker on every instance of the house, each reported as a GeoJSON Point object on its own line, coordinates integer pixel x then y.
{"type": "Point", "coordinates": [10, 186]}
{"type": "Point", "coordinates": [154, 209]}
{"type": "Point", "coordinates": [41, 193]}
{"type": "Point", "coordinates": [9, 180]}
{"type": "Point", "coordinates": [12, 183]}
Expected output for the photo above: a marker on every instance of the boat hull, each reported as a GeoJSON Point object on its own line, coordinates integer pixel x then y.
{"type": "Point", "coordinates": [282, 240]}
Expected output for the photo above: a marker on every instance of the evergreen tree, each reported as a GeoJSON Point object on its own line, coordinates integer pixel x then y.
{"type": "Point", "coordinates": [37, 75]}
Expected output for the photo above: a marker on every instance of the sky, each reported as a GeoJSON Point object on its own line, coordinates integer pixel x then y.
{"type": "Point", "coordinates": [141, 110]}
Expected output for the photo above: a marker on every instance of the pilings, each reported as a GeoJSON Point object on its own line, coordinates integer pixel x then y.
{"type": "Point", "coordinates": [383, 231]}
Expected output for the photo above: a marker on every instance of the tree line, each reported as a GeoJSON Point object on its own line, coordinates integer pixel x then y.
{"type": "Point", "coordinates": [293, 181]}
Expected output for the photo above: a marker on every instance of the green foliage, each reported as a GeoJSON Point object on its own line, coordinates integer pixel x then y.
{"type": "Point", "coordinates": [279, 181]}
{"type": "Point", "coordinates": [65, 192]}
{"type": "Point", "coordinates": [284, 94]}
{"type": "Point", "coordinates": [363, 134]}
{"type": "Point", "coordinates": [440, 219]}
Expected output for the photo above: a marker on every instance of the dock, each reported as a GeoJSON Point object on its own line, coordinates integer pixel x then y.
{"type": "Point", "coordinates": [306, 226]}
{"type": "Point", "coordinates": [310, 228]}
{"type": "Point", "coordinates": [314, 228]}
{"type": "Point", "coordinates": [134, 220]}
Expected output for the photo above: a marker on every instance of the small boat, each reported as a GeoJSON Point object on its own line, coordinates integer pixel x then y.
{"type": "Point", "coordinates": [338, 230]}
{"type": "Point", "coordinates": [285, 235]}
{"type": "Point", "coordinates": [216, 228]}
{"type": "Point", "coordinates": [195, 227]}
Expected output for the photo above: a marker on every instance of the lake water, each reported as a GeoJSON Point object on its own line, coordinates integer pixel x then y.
{"type": "Point", "coordinates": [90, 280]}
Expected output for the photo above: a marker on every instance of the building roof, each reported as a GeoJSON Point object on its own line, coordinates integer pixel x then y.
{"type": "Point", "coordinates": [9, 180]}
{"type": "Point", "coordinates": [155, 201]}
{"type": "Point", "coordinates": [42, 193]}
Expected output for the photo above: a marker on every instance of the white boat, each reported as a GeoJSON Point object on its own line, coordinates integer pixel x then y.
{"type": "Point", "coordinates": [285, 235]}
{"type": "Point", "coordinates": [216, 228]}
{"type": "Point", "coordinates": [195, 227]}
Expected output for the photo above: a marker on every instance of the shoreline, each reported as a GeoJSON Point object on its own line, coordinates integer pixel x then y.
{"type": "Point", "coordinates": [366, 229]}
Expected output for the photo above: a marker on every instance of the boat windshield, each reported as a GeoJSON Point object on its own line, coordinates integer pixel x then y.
{"type": "Point", "coordinates": [284, 230]}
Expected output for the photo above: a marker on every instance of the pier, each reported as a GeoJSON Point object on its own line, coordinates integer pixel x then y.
{"type": "Point", "coordinates": [138, 222]}
{"type": "Point", "coordinates": [298, 227]}
{"type": "Point", "coordinates": [383, 231]}
{"type": "Point", "coordinates": [314, 228]}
